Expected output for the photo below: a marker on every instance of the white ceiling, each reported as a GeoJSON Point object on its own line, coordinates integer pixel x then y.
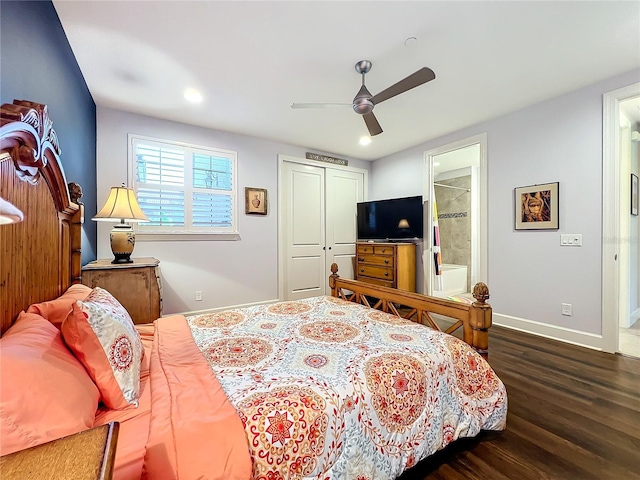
{"type": "Point", "coordinates": [251, 60]}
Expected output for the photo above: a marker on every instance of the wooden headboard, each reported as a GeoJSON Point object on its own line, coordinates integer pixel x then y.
{"type": "Point", "coordinates": [40, 257]}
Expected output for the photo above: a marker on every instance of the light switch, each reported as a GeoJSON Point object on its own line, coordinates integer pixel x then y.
{"type": "Point", "coordinates": [571, 239]}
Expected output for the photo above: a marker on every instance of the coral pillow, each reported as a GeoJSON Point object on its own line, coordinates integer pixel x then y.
{"type": "Point", "coordinates": [45, 393]}
{"type": "Point", "coordinates": [101, 334]}
{"type": "Point", "coordinates": [57, 310]}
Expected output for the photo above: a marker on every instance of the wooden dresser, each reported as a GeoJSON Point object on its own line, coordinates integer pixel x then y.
{"type": "Point", "coordinates": [389, 264]}
{"type": "Point", "coordinates": [136, 285]}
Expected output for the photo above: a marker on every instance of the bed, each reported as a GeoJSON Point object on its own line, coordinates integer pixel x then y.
{"type": "Point", "coordinates": [363, 383]}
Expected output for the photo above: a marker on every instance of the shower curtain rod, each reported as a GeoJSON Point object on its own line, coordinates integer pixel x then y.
{"type": "Point", "coordinates": [451, 186]}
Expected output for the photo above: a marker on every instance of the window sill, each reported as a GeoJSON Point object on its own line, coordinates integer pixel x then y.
{"type": "Point", "coordinates": [190, 237]}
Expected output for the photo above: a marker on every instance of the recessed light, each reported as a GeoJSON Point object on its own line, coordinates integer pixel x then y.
{"type": "Point", "coordinates": [365, 140]}
{"type": "Point", "coordinates": [193, 95]}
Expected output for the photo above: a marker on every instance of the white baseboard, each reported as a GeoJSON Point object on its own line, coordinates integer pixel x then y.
{"type": "Point", "coordinates": [230, 307]}
{"type": "Point", "coordinates": [568, 335]}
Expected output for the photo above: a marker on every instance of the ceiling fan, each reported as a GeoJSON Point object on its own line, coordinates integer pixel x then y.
{"type": "Point", "coordinates": [364, 102]}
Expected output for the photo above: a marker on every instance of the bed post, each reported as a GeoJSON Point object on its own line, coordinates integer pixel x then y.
{"type": "Point", "coordinates": [477, 333]}
{"type": "Point", "coordinates": [75, 231]}
{"type": "Point", "coordinates": [332, 279]}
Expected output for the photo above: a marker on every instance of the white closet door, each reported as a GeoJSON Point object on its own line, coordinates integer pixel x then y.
{"type": "Point", "coordinates": [343, 190]}
{"type": "Point", "coordinates": [304, 228]}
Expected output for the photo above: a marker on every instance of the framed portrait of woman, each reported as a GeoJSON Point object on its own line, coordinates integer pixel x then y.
{"type": "Point", "coordinates": [536, 207]}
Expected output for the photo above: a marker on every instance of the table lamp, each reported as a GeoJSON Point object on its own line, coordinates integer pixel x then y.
{"type": "Point", "coordinates": [121, 205]}
{"type": "Point", "coordinates": [9, 213]}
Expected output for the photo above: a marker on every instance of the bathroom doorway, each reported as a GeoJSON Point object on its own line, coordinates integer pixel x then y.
{"type": "Point", "coordinates": [621, 251]}
{"type": "Point", "coordinates": [455, 246]}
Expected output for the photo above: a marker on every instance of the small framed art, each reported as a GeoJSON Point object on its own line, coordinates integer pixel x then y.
{"type": "Point", "coordinates": [255, 201]}
{"type": "Point", "coordinates": [634, 194]}
{"type": "Point", "coordinates": [536, 207]}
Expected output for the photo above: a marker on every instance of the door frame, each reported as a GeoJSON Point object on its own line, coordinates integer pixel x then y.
{"type": "Point", "coordinates": [314, 163]}
{"type": "Point", "coordinates": [482, 251]}
{"type": "Point", "coordinates": [611, 211]}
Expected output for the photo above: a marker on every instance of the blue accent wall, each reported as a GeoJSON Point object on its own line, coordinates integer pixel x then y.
{"type": "Point", "coordinates": [37, 64]}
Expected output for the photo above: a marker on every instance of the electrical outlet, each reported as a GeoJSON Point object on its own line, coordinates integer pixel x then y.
{"type": "Point", "coordinates": [567, 309]}
{"type": "Point", "coordinates": [198, 295]}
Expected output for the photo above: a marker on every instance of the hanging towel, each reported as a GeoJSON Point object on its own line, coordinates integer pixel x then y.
{"type": "Point", "coordinates": [437, 258]}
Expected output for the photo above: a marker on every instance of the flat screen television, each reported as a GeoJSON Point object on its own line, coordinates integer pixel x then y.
{"type": "Point", "coordinates": [395, 219]}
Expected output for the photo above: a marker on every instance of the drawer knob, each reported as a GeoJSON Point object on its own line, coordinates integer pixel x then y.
{"type": "Point", "coordinates": [386, 274]}
{"type": "Point", "coordinates": [362, 270]}
{"type": "Point", "coordinates": [386, 261]}
{"type": "Point", "coordinates": [383, 250]}
{"type": "Point", "coordinates": [360, 259]}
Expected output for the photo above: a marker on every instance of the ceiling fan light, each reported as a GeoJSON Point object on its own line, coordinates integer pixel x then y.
{"type": "Point", "coordinates": [365, 140]}
{"type": "Point", "coordinates": [362, 106]}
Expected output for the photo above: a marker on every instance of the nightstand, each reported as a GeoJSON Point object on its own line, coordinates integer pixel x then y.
{"type": "Point", "coordinates": [136, 285]}
{"type": "Point", "coordinates": [86, 455]}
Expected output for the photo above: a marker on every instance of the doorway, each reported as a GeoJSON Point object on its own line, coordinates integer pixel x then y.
{"type": "Point", "coordinates": [457, 174]}
{"type": "Point", "coordinates": [316, 224]}
{"type": "Point", "coordinates": [621, 250]}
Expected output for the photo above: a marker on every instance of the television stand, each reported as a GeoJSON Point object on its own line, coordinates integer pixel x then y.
{"type": "Point", "coordinates": [390, 264]}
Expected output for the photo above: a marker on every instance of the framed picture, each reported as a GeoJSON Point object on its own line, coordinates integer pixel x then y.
{"type": "Point", "coordinates": [255, 201]}
{"type": "Point", "coordinates": [536, 207]}
{"type": "Point", "coordinates": [634, 194]}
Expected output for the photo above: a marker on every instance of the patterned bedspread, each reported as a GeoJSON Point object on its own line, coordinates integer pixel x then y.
{"type": "Point", "coordinates": [330, 389]}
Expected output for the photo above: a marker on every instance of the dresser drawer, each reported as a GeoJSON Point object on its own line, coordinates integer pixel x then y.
{"type": "Point", "coordinates": [383, 273]}
{"type": "Point", "coordinates": [364, 249]}
{"type": "Point", "coordinates": [376, 260]}
{"type": "Point", "coordinates": [377, 281]}
{"type": "Point", "coordinates": [383, 250]}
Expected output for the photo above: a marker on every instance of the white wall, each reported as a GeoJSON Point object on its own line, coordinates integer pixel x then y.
{"type": "Point", "coordinates": [227, 272]}
{"type": "Point", "coordinates": [529, 273]}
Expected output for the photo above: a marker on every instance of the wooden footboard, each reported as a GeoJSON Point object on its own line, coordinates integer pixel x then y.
{"type": "Point", "coordinates": [475, 319]}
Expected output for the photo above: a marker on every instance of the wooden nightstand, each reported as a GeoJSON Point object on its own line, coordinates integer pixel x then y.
{"type": "Point", "coordinates": [86, 455]}
{"type": "Point", "coordinates": [136, 285]}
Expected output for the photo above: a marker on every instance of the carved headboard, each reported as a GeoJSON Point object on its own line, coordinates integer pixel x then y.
{"type": "Point", "coordinates": [40, 257]}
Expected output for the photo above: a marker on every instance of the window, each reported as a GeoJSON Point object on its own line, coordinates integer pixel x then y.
{"type": "Point", "coordinates": [183, 188]}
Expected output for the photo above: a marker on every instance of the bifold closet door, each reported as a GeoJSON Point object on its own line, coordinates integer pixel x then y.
{"type": "Point", "coordinates": [319, 215]}
{"type": "Point", "coordinates": [344, 190]}
{"type": "Point", "coordinates": [304, 230]}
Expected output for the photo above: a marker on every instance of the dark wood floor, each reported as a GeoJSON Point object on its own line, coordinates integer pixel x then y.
{"type": "Point", "coordinates": [574, 414]}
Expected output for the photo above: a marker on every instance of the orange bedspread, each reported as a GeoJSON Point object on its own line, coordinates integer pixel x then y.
{"type": "Point", "coordinates": [184, 427]}
{"type": "Point", "coordinates": [195, 432]}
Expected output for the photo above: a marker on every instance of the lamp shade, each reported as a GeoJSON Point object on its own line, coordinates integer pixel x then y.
{"type": "Point", "coordinates": [121, 205]}
{"type": "Point", "coordinates": [403, 223]}
{"type": "Point", "coordinates": [9, 213]}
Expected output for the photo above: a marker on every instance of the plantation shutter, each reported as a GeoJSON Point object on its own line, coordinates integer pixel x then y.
{"type": "Point", "coordinates": [184, 189]}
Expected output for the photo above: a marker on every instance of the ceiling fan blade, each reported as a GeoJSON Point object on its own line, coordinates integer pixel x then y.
{"type": "Point", "coordinates": [319, 105]}
{"type": "Point", "coordinates": [372, 124]}
{"type": "Point", "coordinates": [416, 79]}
